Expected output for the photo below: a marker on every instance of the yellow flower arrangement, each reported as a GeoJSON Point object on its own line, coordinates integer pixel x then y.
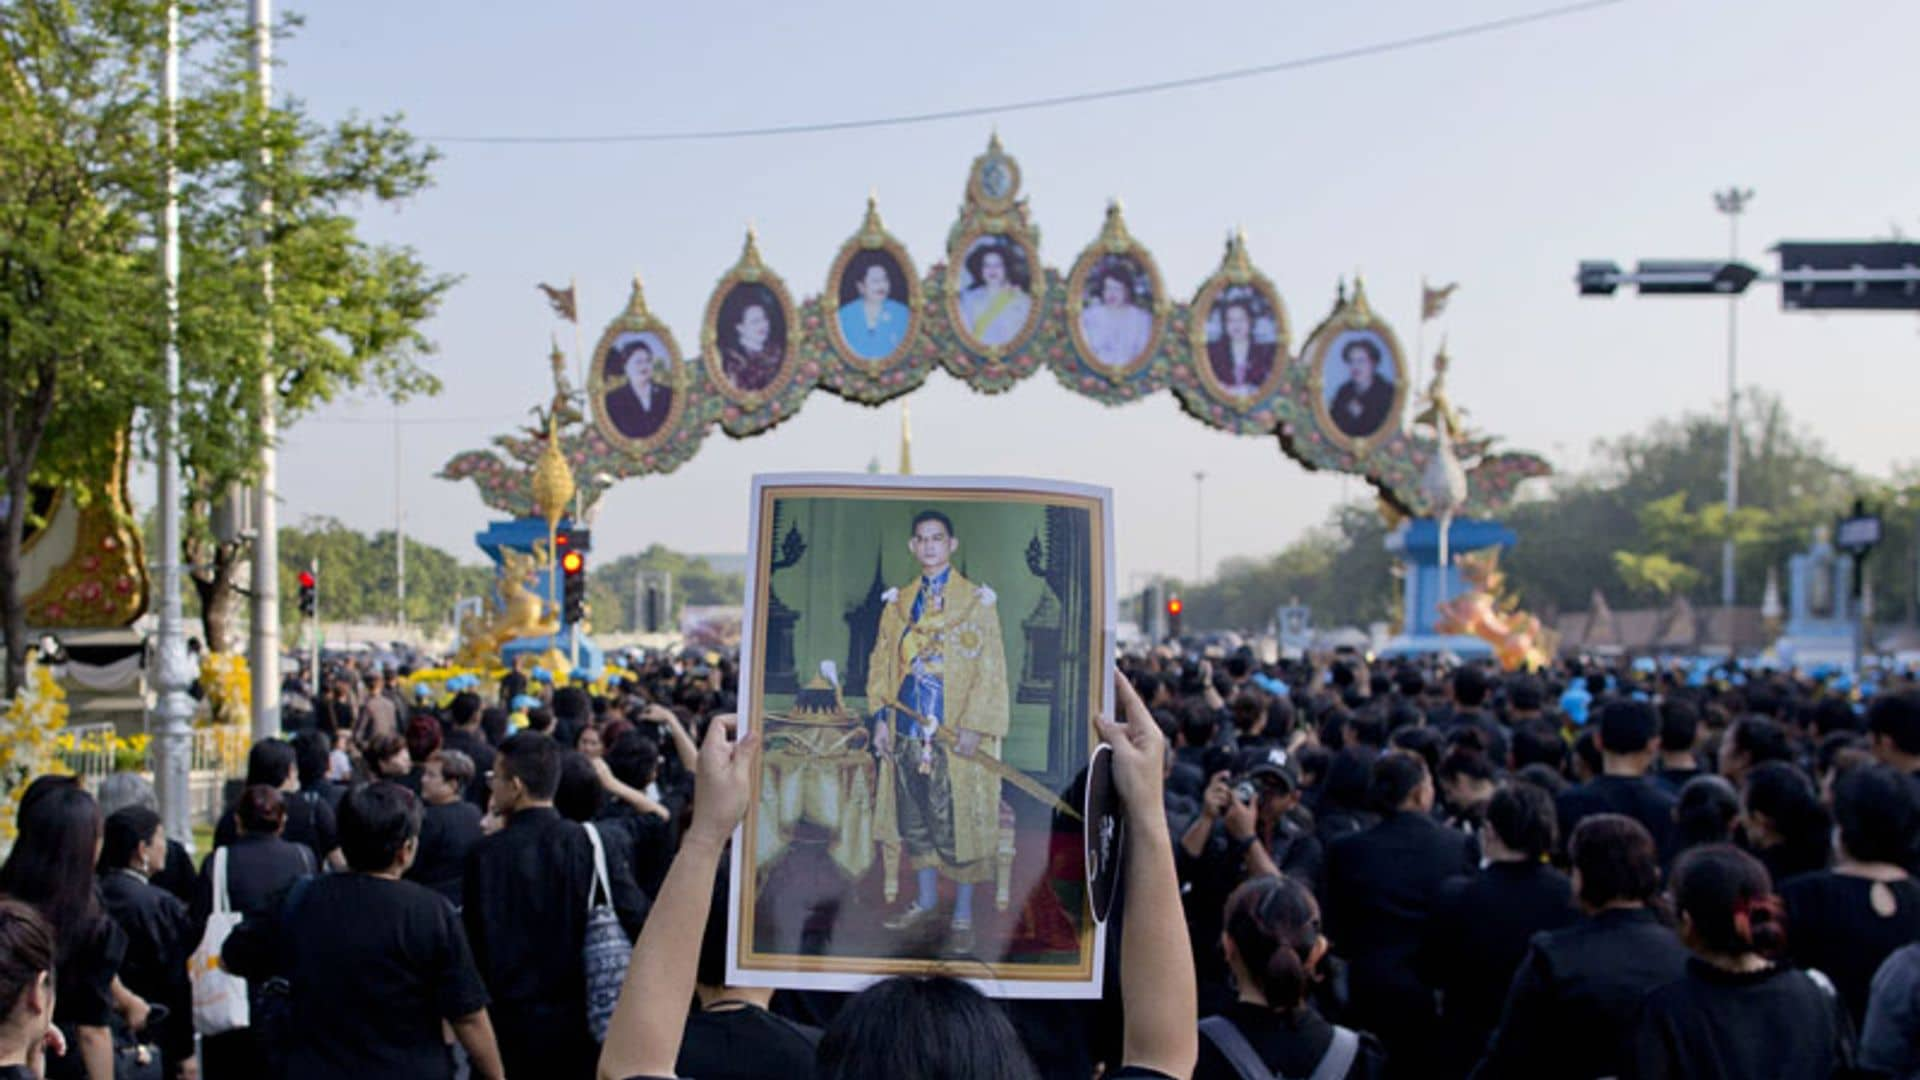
{"type": "Point", "coordinates": [29, 740]}
{"type": "Point", "coordinates": [228, 685]}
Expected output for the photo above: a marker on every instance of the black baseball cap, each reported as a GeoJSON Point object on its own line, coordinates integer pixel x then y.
{"type": "Point", "coordinates": [1269, 763]}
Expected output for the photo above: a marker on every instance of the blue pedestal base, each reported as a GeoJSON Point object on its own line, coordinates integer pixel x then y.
{"type": "Point", "coordinates": [522, 534]}
{"type": "Point", "coordinates": [1417, 545]}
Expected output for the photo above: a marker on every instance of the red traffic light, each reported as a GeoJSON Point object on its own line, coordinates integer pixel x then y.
{"type": "Point", "coordinates": [306, 579]}
{"type": "Point", "coordinates": [572, 562]}
{"type": "Point", "coordinates": [1174, 606]}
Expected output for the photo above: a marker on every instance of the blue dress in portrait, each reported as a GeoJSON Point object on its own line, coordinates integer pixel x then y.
{"type": "Point", "coordinates": [881, 339]}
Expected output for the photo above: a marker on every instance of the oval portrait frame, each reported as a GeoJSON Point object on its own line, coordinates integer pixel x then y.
{"type": "Point", "coordinates": [636, 319]}
{"type": "Point", "coordinates": [750, 270]}
{"type": "Point", "coordinates": [1354, 317]}
{"type": "Point", "coordinates": [977, 192]}
{"type": "Point", "coordinates": [1114, 240]}
{"type": "Point", "coordinates": [1036, 290]}
{"type": "Point", "coordinates": [873, 236]}
{"type": "Point", "coordinates": [1237, 270]}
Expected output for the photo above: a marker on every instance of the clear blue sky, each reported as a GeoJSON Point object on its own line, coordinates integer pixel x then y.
{"type": "Point", "coordinates": [1498, 162]}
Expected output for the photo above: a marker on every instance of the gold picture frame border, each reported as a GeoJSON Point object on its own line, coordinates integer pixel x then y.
{"type": "Point", "coordinates": [746, 957]}
{"type": "Point", "coordinates": [749, 269]}
{"type": "Point", "coordinates": [1114, 239]}
{"type": "Point", "coordinates": [1036, 286]}
{"type": "Point", "coordinates": [1355, 314]}
{"type": "Point", "coordinates": [636, 319]}
{"type": "Point", "coordinates": [873, 236]}
{"type": "Point", "coordinates": [1238, 269]}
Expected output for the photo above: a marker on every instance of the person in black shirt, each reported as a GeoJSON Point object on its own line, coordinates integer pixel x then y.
{"type": "Point", "coordinates": [1735, 1013]}
{"type": "Point", "coordinates": [464, 734]}
{"type": "Point", "coordinates": [313, 757]}
{"type": "Point", "coordinates": [388, 759]}
{"type": "Point", "coordinates": [27, 1033]}
{"type": "Point", "coordinates": [156, 924]}
{"type": "Point", "coordinates": [450, 825]}
{"type": "Point", "coordinates": [272, 763]}
{"type": "Point", "coordinates": [731, 1035]}
{"type": "Point", "coordinates": [260, 865]}
{"type": "Point", "coordinates": [1679, 737]}
{"type": "Point", "coordinates": [123, 789]}
{"type": "Point", "coordinates": [1706, 813]}
{"type": "Point", "coordinates": [1750, 742]}
{"type": "Point", "coordinates": [526, 894]}
{"type": "Point", "coordinates": [1483, 923]}
{"type": "Point", "coordinates": [375, 964]}
{"type": "Point", "coordinates": [1568, 1010]}
{"type": "Point", "coordinates": [1783, 823]}
{"type": "Point", "coordinates": [1846, 921]}
{"type": "Point", "coordinates": [1274, 946]}
{"type": "Point", "coordinates": [1629, 734]}
{"type": "Point", "coordinates": [628, 771]}
{"type": "Point", "coordinates": [1470, 688]}
{"type": "Point", "coordinates": [1893, 725]}
{"type": "Point", "coordinates": [51, 867]}
{"type": "Point", "coordinates": [1381, 888]}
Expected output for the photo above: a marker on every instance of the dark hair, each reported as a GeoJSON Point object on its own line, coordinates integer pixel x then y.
{"type": "Point", "coordinates": [382, 748]}
{"type": "Point", "coordinates": [1791, 802]}
{"type": "Point", "coordinates": [52, 862]}
{"type": "Point", "coordinates": [493, 724]}
{"type": "Point", "coordinates": [1878, 817]}
{"type": "Point", "coordinates": [456, 767]}
{"type": "Point", "coordinates": [1522, 816]}
{"type": "Point", "coordinates": [540, 720]}
{"type": "Point", "coordinates": [312, 754]}
{"type": "Point", "coordinates": [376, 821]}
{"type": "Point", "coordinates": [634, 759]}
{"type": "Point", "coordinates": [270, 762]}
{"type": "Point", "coordinates": [126, 829]}
{"type": "Point", "coordinates": [1011, 257]}
{"type": "Point", "coordinates": [1831, 715]}
{"type": "Point", "coordinates": [1114, 268]}
{"type": "Point", "coordinates": [931, 1026]}
{"type": "Point", "coordinates": [617, 356]}
{"type": "Point", "coordinates": [1616, 860]}
{"type": "Point", "coordinates": [1627, 727]}
{"type": "Point", "coordinates": [423, 737]}
{"type": "Point", "coordinates": [1760, 739]}
{"type": "Point", "coordinates": [925, 516]}
{"type": "Point", "coordinates": [1349, 779]}
{"type": "Point", "coordinates": [579, 796]}
{"type": "Point", "coordinates": [534, 760]}
{"type": "Point", "coordinates": [1247, 712]}
{"type": "Point", "coordinates": [1396, 775]}
{"type": "Point", "coordinates": [1545, 777]}
{"type": "Point", "coordinates": [260, 810]}
{"type": "Point", "coordinates": [856, 272]}
{"type": "Point", "coordinates": [733, 308]}
{"type": "Point", "coordinates": [1705, 811]}
{"type": "Point", "coordinates": [1367, 346]}
{"type": "Point", "coordinates": [1469, 683]}
{"type": "Point", "coordinates": [463, 708]}
{"type": "Point", "coordinates": [1525, 694]}
{"type": "Point", "coordinates": [1424, 742]}
{"type": "Point", "coordinates": [1897, 716]}
{"type": "Point", "coordinates": [1274, 924]}
{"type": "Point", "coordinates": [1729, 898]}
{"type": "Point", "coordinates": [571, 703]}
{"type": "Point", "coordinates": [1586, 747]}
{"type": "Point", "coordinates": [27, 949]}
{"type": "Point", "coordinates": [1679, 725]}
{"type": "Point", "coordinates": [1535, 742]}
{"type": "Point", "coordinates": [1313, 762]}
{"type": "Point", "coordinates": [1197, 726]}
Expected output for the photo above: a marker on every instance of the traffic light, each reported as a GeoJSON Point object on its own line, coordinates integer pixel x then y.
{"type": "Point", "coordinates": [651, 617]}
{"type": "Point", "coordinates": [573, 569]}
{"type": "Point", "coordinates": [1174, 608]}
{"type": "Point", "coordinates": [309, 586]}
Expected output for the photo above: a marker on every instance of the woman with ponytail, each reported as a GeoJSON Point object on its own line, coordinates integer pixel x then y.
{"type": "Point", "coordinates": [1785, 825]}
{"type": "Point", "coordinates": [1274, 948]}
{"type": "Point", "coordinates": [1736, 1013]}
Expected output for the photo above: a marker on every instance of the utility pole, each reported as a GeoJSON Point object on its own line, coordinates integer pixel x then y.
{"type": "Point", "coordinates": [173, 749]}
{"type": "Point", "coordinates": [266, 541]}
{"type": "Point", "coordinates": [399, 533]}
{"type": "Point", "coordinates": [1199, 478]}
{"type": "Point", "coordinates": [1732, 202]}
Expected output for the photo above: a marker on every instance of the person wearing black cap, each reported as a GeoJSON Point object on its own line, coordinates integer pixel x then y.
{"type": "Point", "coordinates": [1629, 742]}
{"type": "Point", "coordinates": [1283, 829]}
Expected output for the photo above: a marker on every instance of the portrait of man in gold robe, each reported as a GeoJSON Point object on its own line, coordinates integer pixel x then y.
{"type": "Point", "coordinates": [937, 688]}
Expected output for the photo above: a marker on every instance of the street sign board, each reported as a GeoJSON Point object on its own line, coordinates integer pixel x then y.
{"type": "Point", "coordinates": [1857, 534]}
{"type": "Point", "coordinates": [1836, 275]}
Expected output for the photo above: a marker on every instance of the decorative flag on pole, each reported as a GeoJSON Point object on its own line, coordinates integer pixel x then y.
{"type": "Point", "coordinates": [562, 301]}
{"type": "Point", "coordinates": [1434, 301]}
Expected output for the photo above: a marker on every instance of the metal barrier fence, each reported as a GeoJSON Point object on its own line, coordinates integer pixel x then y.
{"type": "Point", "coordinates": [89, 750]}
{"type": "Point", "coordinates": [93, 751]}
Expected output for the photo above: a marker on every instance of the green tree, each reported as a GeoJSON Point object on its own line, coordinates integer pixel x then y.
{"type": "Point", "coordinates": [610, 588]}
{"type": "Point", "coordinates": [358, 574]}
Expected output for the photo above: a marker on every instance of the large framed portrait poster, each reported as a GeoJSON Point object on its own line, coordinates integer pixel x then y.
{"type": "Point", "coordinates": [924, 658]}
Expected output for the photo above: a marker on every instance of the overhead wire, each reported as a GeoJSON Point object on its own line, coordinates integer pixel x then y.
{"type": "Point", "coordinates": [1415, 41]}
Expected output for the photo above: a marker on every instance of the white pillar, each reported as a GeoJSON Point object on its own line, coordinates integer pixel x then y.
{"type": "Point", "coordinates": [265, 647]}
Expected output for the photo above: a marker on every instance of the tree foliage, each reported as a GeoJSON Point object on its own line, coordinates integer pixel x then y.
{"type": "Point", "coordinates": [611, 588]}
{"type": "Point", "coordinates": [358, 574]}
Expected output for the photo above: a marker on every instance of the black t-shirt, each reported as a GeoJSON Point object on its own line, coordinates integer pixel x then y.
{"type": "Point", "coordinates": [447, 834]}
{"type": "Point", "coordinates": [310, 821]}
{"type": "Point", "coordinates": [375, 966]}
{"type": "Point", "coordinates": [1833, 928]}
{"type": "Point", "coordinates": [85, 970]}
{"type": "Point", "coordinates": [1291, 1044]}
{"type": "Point", "coordinates": [1720, 1025]}
{"type": "Point", "coordinates": [745, 1042]}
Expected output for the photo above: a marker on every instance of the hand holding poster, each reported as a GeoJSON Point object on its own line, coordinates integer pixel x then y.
{"type": "Point", "coordinates": [924, 659]}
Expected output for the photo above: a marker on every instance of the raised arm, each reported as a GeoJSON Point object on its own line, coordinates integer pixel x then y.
{"type": "Point", "coordinates": [683, 746]}
{"type": "Point", "coordinates": [1156, 970]}
{"type": "Point", "coordinates": [644, 1036]}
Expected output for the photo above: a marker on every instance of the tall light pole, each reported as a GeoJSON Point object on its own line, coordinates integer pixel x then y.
{"type": "Point", "coordinates": [265, 650]}
{"type": "Point", "coordinates": [1732, 202]}
{"type": "Point", "coordinates": [399, 534]}
{"type": "Point", "coordinates": [1199, 478]}
{"type": "Point", "coordinates": [173, 750]}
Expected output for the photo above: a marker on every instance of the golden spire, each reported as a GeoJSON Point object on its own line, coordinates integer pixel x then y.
{"type": "Point", "coordinates": [552, 478]}
{"type": "Point", "coordinates": [906, 440]}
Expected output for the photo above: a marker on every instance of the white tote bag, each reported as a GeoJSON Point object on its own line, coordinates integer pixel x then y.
{"type": "Point", "coordinates": [219, 998]}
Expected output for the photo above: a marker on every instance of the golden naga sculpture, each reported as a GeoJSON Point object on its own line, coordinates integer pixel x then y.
{"type": "Point", "coordinates": [519, 614]}
{"type": "Point", "coordinates": [1485, 611]}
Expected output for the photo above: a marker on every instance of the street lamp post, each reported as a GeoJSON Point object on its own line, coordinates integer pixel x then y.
{"type": "Point", "coordinates": [1199, 478]}
{"type": "Point", "coordinates": [265, 644]}
{"type": "Point", "coordinates": [1732, 202]}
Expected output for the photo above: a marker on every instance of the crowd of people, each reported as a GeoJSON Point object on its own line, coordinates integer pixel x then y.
{"type": "Point", "coordinates": [1334, 868]}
